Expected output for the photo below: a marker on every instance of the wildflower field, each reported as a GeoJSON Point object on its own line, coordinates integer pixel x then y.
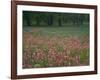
{"type": "Point", "coordinates": [55, 46]}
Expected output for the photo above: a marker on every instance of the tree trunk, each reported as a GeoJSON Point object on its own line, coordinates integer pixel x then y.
{"type": "Point", "coordinates": [50, 20]}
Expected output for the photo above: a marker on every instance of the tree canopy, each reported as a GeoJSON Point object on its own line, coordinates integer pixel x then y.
{"type": "Point", "coordinates": [33, 18]}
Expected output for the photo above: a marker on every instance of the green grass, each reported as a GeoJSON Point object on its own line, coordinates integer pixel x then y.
{"type": "Point", "coordinates": [58, 31]}
{"type": "Point", "coordinates": [84, 55]}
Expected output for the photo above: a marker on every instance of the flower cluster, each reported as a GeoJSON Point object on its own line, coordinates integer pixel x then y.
{"type": "Point", "coordinates": [54, 51]}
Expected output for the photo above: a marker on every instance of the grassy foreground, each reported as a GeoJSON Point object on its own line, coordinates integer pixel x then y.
{"type": "Point", "coordinates": [55, 46]}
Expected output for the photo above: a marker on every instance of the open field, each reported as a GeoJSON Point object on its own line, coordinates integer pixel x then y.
{"type": "Point", "coordinates": [55, 46]}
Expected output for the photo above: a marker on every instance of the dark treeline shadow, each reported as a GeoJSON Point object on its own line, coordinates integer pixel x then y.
{"type": "Point", "coordinates": [54, 19]}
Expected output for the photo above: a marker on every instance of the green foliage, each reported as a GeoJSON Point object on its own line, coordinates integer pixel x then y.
{"type": "Point", "coordinates": [46, 49]}
{"type": "Point", "coordinates": [44, 62]}
{"type": "Point", "coordinates": [75, 52]}
{"type": "Point", "coordinates": [36, 65]}
{"type": "Point", "coordinates": [33, 49]}
{"type": "Point", "coordinates": [54, 19]}
{"type": "Point", "coordinates": [84, 55]}
{"type": "Point", "coordinates": [59, 49]}
{"type": "Point", "coordinates": [39, 63]}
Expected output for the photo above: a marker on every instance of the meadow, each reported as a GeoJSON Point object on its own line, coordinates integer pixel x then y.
{"type": "Point", "coordinates": [55, 46]}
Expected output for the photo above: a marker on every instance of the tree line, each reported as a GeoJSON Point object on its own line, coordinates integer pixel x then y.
{"type": "Point", "coordinates": [31, 18]}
